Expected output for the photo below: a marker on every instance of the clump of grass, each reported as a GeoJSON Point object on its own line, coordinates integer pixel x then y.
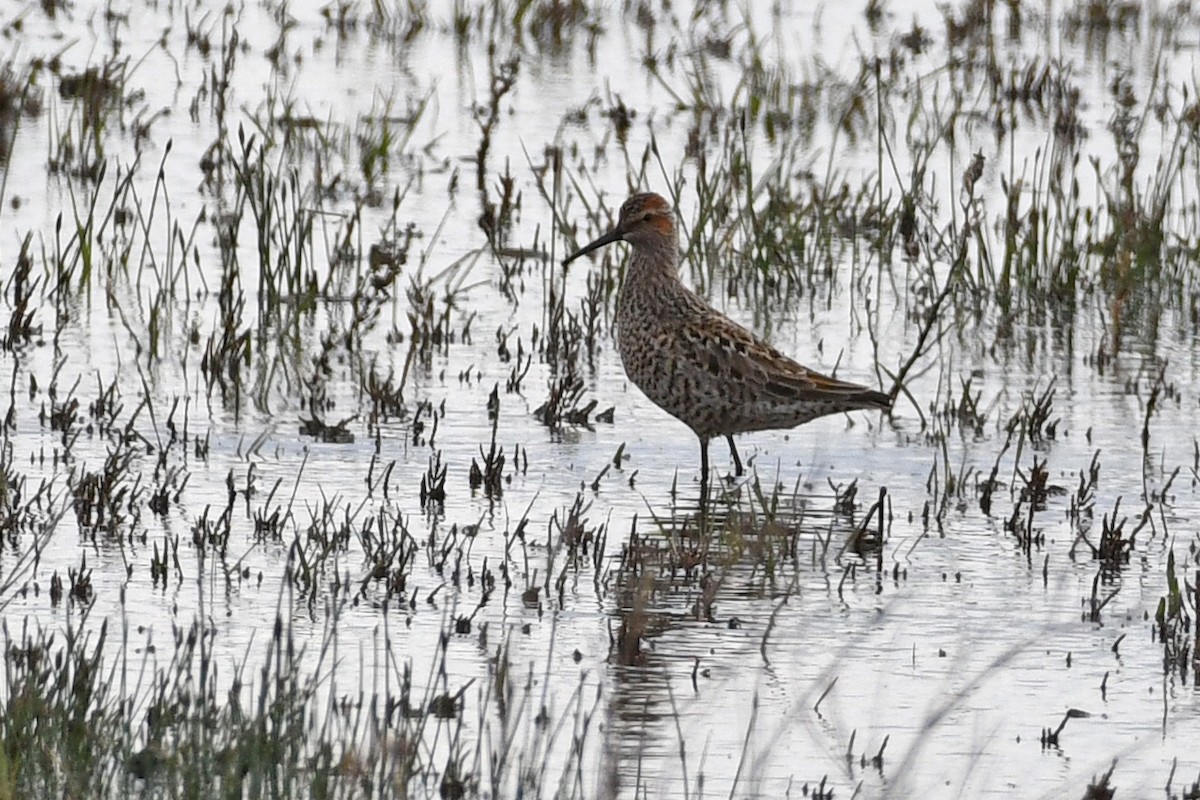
{"type": "Point", "coordinates": [97, 96]}
{"type": "Point", "coordinates": [1173, 621]}
{"type": "Point", "coordinates": [80, 715]}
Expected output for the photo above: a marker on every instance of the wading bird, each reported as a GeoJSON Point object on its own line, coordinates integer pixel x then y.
{"type": "Point", "coordinates": [697, 364]}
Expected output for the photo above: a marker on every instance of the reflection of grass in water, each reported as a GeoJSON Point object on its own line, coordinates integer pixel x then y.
{"type": "Point", "coordinates": [688, 554]}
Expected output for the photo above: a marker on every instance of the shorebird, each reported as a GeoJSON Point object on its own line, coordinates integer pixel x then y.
{"type": "Point", "coordinates": [694, 362]}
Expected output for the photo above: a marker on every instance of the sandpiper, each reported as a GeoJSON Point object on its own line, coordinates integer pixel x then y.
{"type": "Point", "coordinates": [697, 364]}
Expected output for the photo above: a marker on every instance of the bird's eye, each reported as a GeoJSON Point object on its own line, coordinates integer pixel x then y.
{"type": "Point", "coordinates": [646, 217]}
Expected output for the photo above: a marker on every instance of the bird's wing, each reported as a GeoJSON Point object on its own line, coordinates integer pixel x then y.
{"type": "Point", "coordinates": [735, 354]}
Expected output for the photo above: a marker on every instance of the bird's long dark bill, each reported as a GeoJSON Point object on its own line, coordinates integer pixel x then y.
{"type": "Point", "coordinates": [614, 235]}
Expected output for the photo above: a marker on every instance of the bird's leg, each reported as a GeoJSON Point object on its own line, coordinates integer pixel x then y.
{"type": "Point", "coordinates": [737, 461]}
{"type": "Point", "coordinates": [703, 472]}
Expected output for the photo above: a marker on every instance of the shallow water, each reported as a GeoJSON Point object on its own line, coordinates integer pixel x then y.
{"type": "Point", "coordinates": [952, 645]}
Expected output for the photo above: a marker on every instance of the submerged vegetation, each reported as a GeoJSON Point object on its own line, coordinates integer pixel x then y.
{"type": "Point", "coordinates": [319, 476]}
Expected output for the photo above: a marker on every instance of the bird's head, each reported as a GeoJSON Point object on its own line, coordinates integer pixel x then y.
{"type": "Point", "coordinates": [646, 221]}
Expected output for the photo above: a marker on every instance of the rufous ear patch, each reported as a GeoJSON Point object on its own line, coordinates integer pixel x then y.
{"type": "Point", "coordinates": [662, 223]}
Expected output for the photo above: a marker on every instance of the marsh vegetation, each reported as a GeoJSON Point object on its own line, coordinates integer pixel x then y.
{"type": "Point", "coordinates": [320, 476]}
